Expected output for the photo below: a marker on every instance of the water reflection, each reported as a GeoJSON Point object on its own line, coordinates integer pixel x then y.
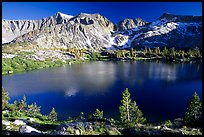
{"type": "Point", "coordinates": [90, 78]}
{"type": "Point", "coordinates": [70, 92]}
{"type": "Point", "coordinates": [96, 77]}
{"type": "Point", "coordinates": [162, 72]}
{"type": "Point", "coordinates": [84, 87]}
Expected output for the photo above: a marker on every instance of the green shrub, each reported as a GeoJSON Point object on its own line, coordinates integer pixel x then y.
{"type": "Point", "coordinates": [98, 114]}
{"type": "Point", "coordinates": [168, 123]}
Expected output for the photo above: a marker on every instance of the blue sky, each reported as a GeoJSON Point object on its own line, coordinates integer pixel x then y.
{"type": "Point", "coordinates": [114, 11]}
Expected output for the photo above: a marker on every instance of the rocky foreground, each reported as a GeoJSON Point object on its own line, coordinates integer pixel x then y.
{"type": "Point", "coordinates": [84, 126]}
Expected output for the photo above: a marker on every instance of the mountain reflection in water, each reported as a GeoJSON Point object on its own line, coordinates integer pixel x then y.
{"type": "Point", "coordinates": [84, 87]}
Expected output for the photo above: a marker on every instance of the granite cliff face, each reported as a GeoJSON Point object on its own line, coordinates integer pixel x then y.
{"type": "Point", "coordinates": [15, 28]}
{"type": "Point", "coordinates": [94, 31]}
{"type": "Point", "coordinates": [128, 24]}
{"type": "Point", "coordinates": [82, 31]}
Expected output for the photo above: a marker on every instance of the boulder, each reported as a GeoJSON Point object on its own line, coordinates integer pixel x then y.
{"type": "Point", "coordinates": [19, 122]}
{"type": "Point", "coordinates": [7, 123]}
{"type": "Point", "coordinates": [25, 129]}
{"type": "Point", "coordinates": [62, 131]}
{"type": "Point", "coordinates": [88, 125]}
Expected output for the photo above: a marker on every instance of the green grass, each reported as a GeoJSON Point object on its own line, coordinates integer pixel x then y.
{"type": "Point", "coordinates": [19, 64]}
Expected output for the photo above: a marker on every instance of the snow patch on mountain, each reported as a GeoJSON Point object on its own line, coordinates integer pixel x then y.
{"type": "Point", "coordinates": [65, 15]}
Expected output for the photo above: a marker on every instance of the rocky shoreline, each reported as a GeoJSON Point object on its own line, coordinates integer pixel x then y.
{"type": "Point", "coordinates": [94, 127]}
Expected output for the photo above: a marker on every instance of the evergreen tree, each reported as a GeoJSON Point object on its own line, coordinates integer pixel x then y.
{"type": "Point", "coordinates": [157, 51]}
{"type": "Point", "coordinates": [145, 52]}
{"type": "Point", "coordinates": [23, 104]}
{"type": "Point", "coordinates": [33, 109]}
{"type": "Point", "coordinates": [53, 115]}
{"type": "Point", "coordinates": [196, 52]}
{"type": "Point", "coordinates": [150, 51]}
{"type": "Point", "coordinates": [172, 52]}
{"type": "Point", "coordinates": [165, 52]}
{"type": "Point", "coordinates": [129, 111]}
{"type": "Point", "coordinates": [98, 114]}
{"type": "Point", "coordinates": [193, 113]}
{"type": "Point", "coordinates": [5, 99]}
{"type": "Point", "coordinates": [131, 52]}
{"type": "Point", "coordinates": [124, 108]}
{"type": "Point", "coordinates": [20, 105]}
{"type": "Point", "coordinates": [136, 115]}
{"type": "Point", "coordinates": [183, 54]}
{"type": "Point", "coordinates": [17, 106]}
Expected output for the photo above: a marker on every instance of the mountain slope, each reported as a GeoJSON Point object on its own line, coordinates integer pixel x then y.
{"type": "Point", "coordinates": [94, 31]}
{"type": "Point", "coordinates": [14, 28]}
{"type": "Point", "coordinates": [167, 31]}
{"type": "Point", "coordinates": [82, 31]}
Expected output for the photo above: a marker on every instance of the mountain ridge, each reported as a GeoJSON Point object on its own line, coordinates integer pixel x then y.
{"type": "Point", "coordinates": [96, 31]}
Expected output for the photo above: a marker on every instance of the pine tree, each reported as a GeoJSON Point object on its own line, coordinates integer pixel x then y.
{"type": "Point", "coordinates": [136, 115]}
{"type": "Point", "coordinates": [129, 111]}
{"type": "Point", "coordinates": [172, 52]}
{"type": "Point", "coordinates": [193, 113]}
{"type": "Point", "coordinates": [23, 104]}
{"type": "Point", "coordinates": [150, 51]}
{"type": "Point", "coordinates": [124, 108]}
{"type": "Point", "coordinates": [5, 99]}
{"type": "Point", "coordinates": [165, 52]}
{"type": "Point", "coordinates": [33, 109]}
{"type": "Point", "coordinates": [145, 52]}
{"type": "Point", "coordinates": [53, 115]}
{"type": "Point", "coordinates": [157, 51]}
{"type": "Point", "coordinates": [131, 52]}
{"type": "Point", "coordinates": [196, 52]}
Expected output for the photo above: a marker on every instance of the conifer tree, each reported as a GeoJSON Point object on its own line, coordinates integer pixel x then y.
{"type": "Point", "coordinates": [33, 109]}
{"type": "Point", "coordinates": [23, 104]}
{"type": "Point", "coordinates": [145, 51]}
{"type": "Point", "coordinates": [136, 115]}
{"type": "Point", "coordinates": [165, 52]}
{"type": "Point", "coordinates": [53, 115]}
{"type": "Point", "coordinates": [124, 108]}
{"type": "Point", "coordinates": [129, 111]}
{"type": "Point", "coordinates": [193, 113]}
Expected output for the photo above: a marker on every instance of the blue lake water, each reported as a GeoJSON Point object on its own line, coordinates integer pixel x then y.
{"type": "Point", "coordinates": [161, 90]}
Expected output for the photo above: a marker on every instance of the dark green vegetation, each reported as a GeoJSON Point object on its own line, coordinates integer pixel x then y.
{"type": "Point", "coordinates": [131, 120]}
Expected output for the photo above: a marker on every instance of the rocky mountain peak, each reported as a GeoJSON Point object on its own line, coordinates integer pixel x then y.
{"type": "Point", "coordinates": [88, 19]}
{"type": "Point", "coordinates": [96, 31]}
{"type": "Point", "coordinates": [62, 18]}
{"type": "Point", "coordinates": [181, 18]}
{"type": "Point", "coordinates": [127, 24]}
{"type": "Point", "coordinates": [62, 15]}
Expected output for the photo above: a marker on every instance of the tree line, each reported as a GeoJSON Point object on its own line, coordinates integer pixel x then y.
{"type": "Point", "coordinates": [129, 111]}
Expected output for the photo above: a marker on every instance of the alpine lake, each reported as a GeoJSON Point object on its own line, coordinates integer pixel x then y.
{"type": "Point", "coordinates": [161, 90]}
